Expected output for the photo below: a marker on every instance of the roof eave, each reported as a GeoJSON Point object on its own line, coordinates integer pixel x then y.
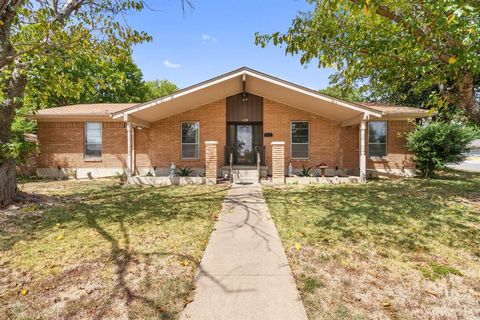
{"type": "Point", "coordinates": [64, 117]}
{"type": "Point", "coordinates": [407, 115]}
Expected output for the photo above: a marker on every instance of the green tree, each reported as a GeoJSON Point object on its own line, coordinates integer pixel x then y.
{"type": "Point", "coordinates": [92, 78]}
{"type": "Point", "coordinates": [159, 88]}
{"type": "Point", "coordinates": [31, 33]}
{"type": "Point", "coordinates": [440, 143]}
{"type": "Point", "coordinates": [382, 45]}
{"type": "Point", "coordinates": [348, 93]}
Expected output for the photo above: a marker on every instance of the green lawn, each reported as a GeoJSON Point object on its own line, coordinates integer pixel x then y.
{"type": "Point", "coordinates": [93, 249]}
{"type": "Point", "coordinates": [404, 249]}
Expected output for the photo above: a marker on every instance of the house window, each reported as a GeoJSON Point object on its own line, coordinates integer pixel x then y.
{"type": "Point", "coordinates": [300, 139]}
{"type": "Point", "coordinates": [377, 139]}
{"type": "Point", "coordinates": [93, 140]}
{"type": "Point", "coordinates": [190, 137]}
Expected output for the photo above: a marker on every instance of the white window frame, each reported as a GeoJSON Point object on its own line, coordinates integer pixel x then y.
{"type": "Point", "coordinates": [386, 141]}
{"type": "Point", "coordinates": [85, 157]}
{"type": "Point", "coordinates": [292, 143]}
{"type": "Point", "coordinates": [182, 143]}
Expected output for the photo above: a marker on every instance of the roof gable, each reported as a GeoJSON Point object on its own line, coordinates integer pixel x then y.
{"type": "Point", "coordinates": [253, 82]}
{"type": "Point", "coordinates": [229, 84]}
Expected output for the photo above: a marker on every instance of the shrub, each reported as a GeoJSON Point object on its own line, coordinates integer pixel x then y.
{"type": "Point", "coordinates": [306, 172]}
{"type": "Point", "coordinates": [440, 143]}
{"type": "Point", "coordinates": [184, 172]}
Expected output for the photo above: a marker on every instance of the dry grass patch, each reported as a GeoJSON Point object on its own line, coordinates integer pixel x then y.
{"type": "Point", "coordinates": [407, 249]}
{"type": "Point", "coordinates": [96, 249]}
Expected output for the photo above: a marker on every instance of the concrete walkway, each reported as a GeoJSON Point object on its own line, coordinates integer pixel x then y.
{"type": "Point", "coordinates": [244, 273]}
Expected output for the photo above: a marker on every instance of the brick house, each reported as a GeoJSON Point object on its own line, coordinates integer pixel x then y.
{"type": "Point", "coordinates": [244, 117]}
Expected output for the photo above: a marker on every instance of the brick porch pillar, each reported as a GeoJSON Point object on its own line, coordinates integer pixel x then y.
{"type": "Point", "coordinates": [211, 161]}
{"type": "Point", "coordinates": [278, 161]}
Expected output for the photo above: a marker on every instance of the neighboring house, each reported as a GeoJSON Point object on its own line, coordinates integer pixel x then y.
{"type": "Point", "coordinates": [238, 113]}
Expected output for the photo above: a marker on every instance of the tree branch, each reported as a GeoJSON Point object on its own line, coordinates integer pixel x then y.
{"type": "Point", "coordinates": [67, 9]}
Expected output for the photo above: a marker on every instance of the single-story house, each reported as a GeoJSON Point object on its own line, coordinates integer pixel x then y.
{"type": "Point", "coordinates": [243, 118]}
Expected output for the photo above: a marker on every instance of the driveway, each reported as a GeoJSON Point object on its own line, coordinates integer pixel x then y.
{"type": "Point", "coordinates": [472, 166]}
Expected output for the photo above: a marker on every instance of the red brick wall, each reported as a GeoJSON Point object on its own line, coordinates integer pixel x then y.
{"type": "Point", "coordinates": [398, 156]}
{"type": "Point", "coordinates": [165, 137]}
{"type": "Point", "coordinates": [61, 143]}
{"type": "Point", "coordinates": [324, 134]}
{"type": "Point", "coordinates": [349, 147]}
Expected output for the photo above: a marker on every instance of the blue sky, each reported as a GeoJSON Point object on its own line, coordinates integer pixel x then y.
{"type": "Point", "coordinates": [216, 37]}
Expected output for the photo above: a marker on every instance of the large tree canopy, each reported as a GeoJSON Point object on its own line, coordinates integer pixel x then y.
{"type": "Point", "coordinates": [32, 32]}
{"type": "Point", "coordinates": [432, 46]}
{"type": "Point", "coordinates": [92, 78]}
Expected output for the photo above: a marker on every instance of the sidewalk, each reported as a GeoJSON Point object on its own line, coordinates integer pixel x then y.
{"type": "Point", "coordinates": [244, 273]}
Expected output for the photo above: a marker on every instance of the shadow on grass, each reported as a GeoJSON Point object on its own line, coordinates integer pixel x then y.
{"type": "Point", "coordinates": [111, 204]}
{"type": "Point", "coordinates": [408, 215]}
{"type": "Point", "coordinates": [102, 208]}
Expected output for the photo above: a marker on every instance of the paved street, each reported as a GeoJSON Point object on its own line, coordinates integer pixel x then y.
{"type": "Point", "coordinates": [473, 166]}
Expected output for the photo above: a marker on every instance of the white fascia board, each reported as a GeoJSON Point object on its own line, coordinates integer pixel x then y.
{"type": "Point", "coordinates": [316, 95]}
{"type": "Point", "coordinates": [177, 95]}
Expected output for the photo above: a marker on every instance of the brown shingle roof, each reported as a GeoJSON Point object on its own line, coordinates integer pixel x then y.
{"type": "Point", "coordinates": [391, 109]}
{"type": "Point", "coordinates": [95, 109]}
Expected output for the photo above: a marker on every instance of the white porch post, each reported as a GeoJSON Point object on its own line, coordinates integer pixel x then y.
{"type": "Point", "coordinates": [363, 155]}
{"type": "Point", "coordinates": [133, 150]}
{"type": "Point", "coordinates": [129, 149]}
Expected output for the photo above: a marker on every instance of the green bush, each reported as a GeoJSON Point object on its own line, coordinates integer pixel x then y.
{"type": "Point", "coordinates": [184, 172]}
{"type": "Point", "coordinates": [305, 172]}
{"type": "Point", "coordinates": [440, 143]}
{"type": "Point", "coordinates": [18, 147]}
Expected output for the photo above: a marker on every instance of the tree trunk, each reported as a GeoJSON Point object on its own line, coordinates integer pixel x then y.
{"type": "Point", "coordinates": [466, 97]}
{"type": "Point", "coordinates": [8, 183]}
{"type": "Point", "coordinates": [14, 94]}
{"type": "Point", "coordinates": [14, 86]}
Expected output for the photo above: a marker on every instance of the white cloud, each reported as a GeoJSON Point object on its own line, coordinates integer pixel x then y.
{"type": "Point", "coordinates": [169, 64]}
{"type": "Point", "coordinates": [208, 38]}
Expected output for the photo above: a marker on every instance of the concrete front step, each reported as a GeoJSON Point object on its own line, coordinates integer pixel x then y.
{"type": "Point", "coordinates": [245, 180]}
{"type": "Point", "coordinates": [245, 171]}
{"type": "Point", "coordinates": [250, 173]}
{"type": "Point", "coordinates": [245, 176]}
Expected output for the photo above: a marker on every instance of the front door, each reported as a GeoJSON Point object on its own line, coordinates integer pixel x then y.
{"type": "Point", "coordinates": [244, 144]}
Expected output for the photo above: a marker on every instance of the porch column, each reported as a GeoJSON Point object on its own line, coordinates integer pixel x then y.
{"type": "Point", "coordinates": [363, 155]}
{"type": "Point", "coordinates": [129, 149]}
{"type": "Point", "coordinates": [278, 161]}
{"type": "Point", "coordinates": [133, 150]}
{"type": "Point", "coordinates": [211, 161]}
